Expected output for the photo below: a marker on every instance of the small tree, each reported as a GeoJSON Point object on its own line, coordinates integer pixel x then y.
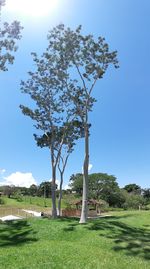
{"type": "Point", "coordinates": [73, 133]}
{"type": "Point", "coordinates": [65, 138]}
{"type": "Point", "coordinates": [33, 190]}
{"type": "Point", "coordinates": [134, 201]}
{"type": "Point", "coordinates": [9, 190]}
{"type": "Point", "coordinates": [53, 110]}
{"type": "Point", "coordinates": [9, 34]}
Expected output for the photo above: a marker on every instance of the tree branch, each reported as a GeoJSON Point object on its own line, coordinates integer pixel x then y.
{"type": "Point", "coordinates": [84, 86]}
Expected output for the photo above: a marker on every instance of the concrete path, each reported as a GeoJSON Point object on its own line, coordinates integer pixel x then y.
{"type": "Point", "coordinates": [35, 213]}
{"type": "Point", "coordinates": [9, 217]}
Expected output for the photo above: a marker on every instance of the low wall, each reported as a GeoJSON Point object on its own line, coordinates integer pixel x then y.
{"type": "Point", "coordinates": [92, 213]}
{"type": "Point", "coordinates": [77, 213]}
{"type": "Point", "coordinates": [71, 213]}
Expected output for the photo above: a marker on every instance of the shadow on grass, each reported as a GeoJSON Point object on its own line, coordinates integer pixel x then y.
{"type": "Point", "coordinates": [16, 233]}
{"type": "Point", "coordinates": [68, 219]}
{"type": "Point", "coordinates": [132, 240]}
{"type": "Point", "coordinates": [71, 221]}
{"type": "Point", "coordinates": [71, 227]}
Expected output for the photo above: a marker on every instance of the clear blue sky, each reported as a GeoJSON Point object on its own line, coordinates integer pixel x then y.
{"type": "Point", "coordinates": [120, 132]}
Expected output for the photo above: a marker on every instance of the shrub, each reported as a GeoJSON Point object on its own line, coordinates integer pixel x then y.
{"type": "Point", "coordinates": [133, 201]}
{"type": "Point", "coordinates": [2, 202]}
{"type": "Point", "coordinates": [18, 196]}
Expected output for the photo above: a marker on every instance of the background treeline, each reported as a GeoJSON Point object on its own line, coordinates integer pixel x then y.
{"type": "Point", "coordinates": [43, 190]}
{"type": "Point", "coordinates": [101, 187]}
{"type": "Point", "coordinates": [105, 187]}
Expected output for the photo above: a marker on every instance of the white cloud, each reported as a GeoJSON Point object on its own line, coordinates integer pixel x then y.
{"type": "Point", "coordinates": [19, 179]}
{"type": "Point", "coordinates": [66, 187]}
{"type": "Point", "coordinates": [2, 171]}
{"type": "Point", "coordinates": [89, 168]}
{"type": "Point", "coordinates": [57, 182]}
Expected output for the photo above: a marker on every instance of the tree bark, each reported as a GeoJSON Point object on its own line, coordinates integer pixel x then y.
{"type": "Point", "coordinates": [54, 210]}
{"type": "Point", "coordinates": [60, 194]}
{"type": "Point", "coordinates": [53, 188]}
{"type": "Point", "coordinates": [84, 211]}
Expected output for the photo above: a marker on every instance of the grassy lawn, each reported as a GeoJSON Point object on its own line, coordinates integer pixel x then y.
{"type": "Point", "coordinates": [120, 241]}
{"type": "Point", "coordinates": [11, 205]}
{"type": "Point", "coordinates": [28, 201]}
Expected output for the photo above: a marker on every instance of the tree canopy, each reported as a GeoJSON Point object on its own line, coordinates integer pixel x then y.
{"type": "Point", "coordinates": [101, 186]}
{"type": "Point", "coordinates": [9, 34]}
{"type": "Point", "coordinates": [133, 188]}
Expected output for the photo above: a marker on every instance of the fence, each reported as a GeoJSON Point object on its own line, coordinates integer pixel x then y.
{"type": "Point", "coordinates": [15, 212]}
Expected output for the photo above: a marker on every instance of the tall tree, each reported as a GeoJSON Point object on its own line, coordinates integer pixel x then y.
{"type": "Point", "coordinates": [9, 34]}
{"type": "Point", "coordinates": [88, 61]}
{"type": "Point", "coordinates": [72, 64]}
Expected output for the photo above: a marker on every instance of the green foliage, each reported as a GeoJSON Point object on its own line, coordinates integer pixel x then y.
{"type": "Point", "coordinates": [9, 34]}
{"type": "Point", "coordinates": [146, 194]}
{"type": "Point", "coordinates": [104, 186]}
{"type": "Point", "coordinates": [76, 183]}
{"type": "Point", "coordinates": [68, 203]}
{"type": "Point", "coordinates": [18, 196]}
{"type": "Point", "coordinates": [147, 207]}
{"type": "Point", "coordinates": [134, 201]}
{"type": "Point", "coordinates": [45, 189]}
{"type": "Point", "coordinates": [2, 201]}
{"type": "Point", "coordinates": [115, 198]}
{"type": "Point", "coordinates": [101, 186]}
{"type": "Point", "coordinates": [133, 188]}
{"type": "Point", "coordinates": [33, 190]}
{"type": "Point", "coordinates": [9, 190]}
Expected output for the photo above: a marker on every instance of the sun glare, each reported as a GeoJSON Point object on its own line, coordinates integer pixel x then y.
{"type": "Point", "coordinates": [37, 8]}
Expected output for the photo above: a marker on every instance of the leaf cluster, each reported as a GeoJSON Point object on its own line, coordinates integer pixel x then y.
{"type": "Point", "coordinates": [85, 60]}
{"type": "Point", "coordinates": [9, 34]}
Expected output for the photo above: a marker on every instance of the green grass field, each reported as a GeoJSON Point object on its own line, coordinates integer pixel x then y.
{"type": "Point", "coordinates": [28, 201]}
{"type": "Point", "coordinates": [36, 201]}
{"type": "Point", "coordinates": [11, 205]}
{"type": "Point", "coordinates": [121, 241]}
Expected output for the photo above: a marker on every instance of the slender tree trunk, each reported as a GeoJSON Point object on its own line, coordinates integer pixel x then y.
{"type": "Point", "coordinates": [53, 188]}
{"type": "Point", "coordinates": [54, 210]}
{"type": "Point", "coordinates": [64, 163]}
{"type": "Point", "coordinates": [84, 212]}
{"type": "Point", "coordinates": [44, 195]}
{"type": "Point", "coordinates": [60, 194]}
